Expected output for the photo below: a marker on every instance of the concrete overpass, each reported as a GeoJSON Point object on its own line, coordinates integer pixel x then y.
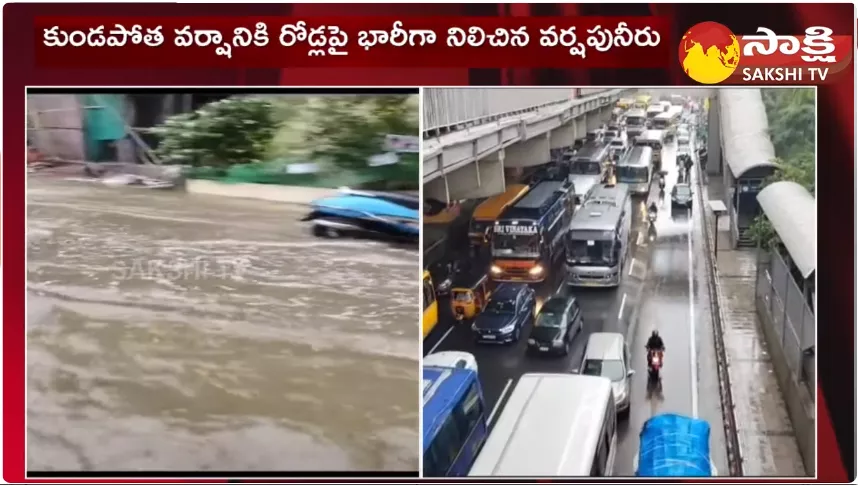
{"type": "Point", "coordinates": [467, 160]}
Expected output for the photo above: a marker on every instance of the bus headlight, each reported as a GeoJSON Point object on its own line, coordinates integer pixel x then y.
{"type": "Point", "coordinates": [536, 270]}
{"type": "Point", "coordinates": [496, 270]}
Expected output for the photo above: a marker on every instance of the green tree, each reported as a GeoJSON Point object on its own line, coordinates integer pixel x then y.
{"type": "Point", "coordinates": [791, 114]}
{"type": "Point", "coordinates": [230, 131]}
{"type": "Point", "coordinates": [350, 129]}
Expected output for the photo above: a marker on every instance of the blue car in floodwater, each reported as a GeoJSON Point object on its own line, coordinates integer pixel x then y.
{"type": "Point", "coordinates": [366, 214]}
{"type": "Point", "coordinates": [675, 446]}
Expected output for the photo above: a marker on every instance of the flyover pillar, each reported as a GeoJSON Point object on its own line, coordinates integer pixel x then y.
{"type": "Point", "coordinates": [483, 178]}
{"type": "Point", "coordinates": [535, 151]}
{"type": "Point", "coordinates": [580, 126]}
{"type": "Point", "coordinates": [563, 136]}
{"type": "Point", "coordinates": [593, 120]}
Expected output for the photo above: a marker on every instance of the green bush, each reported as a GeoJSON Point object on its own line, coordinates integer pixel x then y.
{"type": "Point", "coordinates": [220, 134]}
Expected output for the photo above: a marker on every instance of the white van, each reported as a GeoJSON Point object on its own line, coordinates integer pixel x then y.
{"type": "Point", "coordinates": [553, 425]}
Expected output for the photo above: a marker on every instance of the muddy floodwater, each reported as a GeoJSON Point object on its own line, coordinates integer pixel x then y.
{"type": "Point", "coordinates": [169, 331]}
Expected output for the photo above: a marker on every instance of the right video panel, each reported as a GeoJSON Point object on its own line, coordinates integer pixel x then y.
{"type": "Point", "coordinates": [619, 282]}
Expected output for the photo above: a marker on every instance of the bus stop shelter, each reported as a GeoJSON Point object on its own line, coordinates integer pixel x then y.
{"type": "Point", "coordinates": [749, 155]}
{"type": "Point", "coordinates": [786, 274]}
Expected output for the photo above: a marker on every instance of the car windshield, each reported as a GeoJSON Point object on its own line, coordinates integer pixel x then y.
{"type": "Point", "coordinates": [611, 369]}
{"type": "Point", "coordinates": [683, 191]}
{"type": "Point", "coordinates": [549, 318]}
{"type": "Point", "coordinates": [501, 307]}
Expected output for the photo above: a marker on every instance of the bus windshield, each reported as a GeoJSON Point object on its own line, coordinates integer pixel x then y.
{"type": "Point", "coordinates": [659, 124]}
{"type": "Point", "coordinates": [590, 252]}
{"type": "Point", "coordinates": [515, 245]}
{"type": "Point", "coordinates": [635, 120]}
{"type": "Point", "coordinates": [632, 174]}
{"type": "Point", "coordinates": [457, 431]}
{"type": "Point", "coordinates": [586, 167]}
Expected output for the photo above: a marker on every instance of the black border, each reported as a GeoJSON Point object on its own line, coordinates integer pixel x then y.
{"type": "Point", "coordinates": [221, 474]}
{"type": "Point", "coordinates": [284, 90]}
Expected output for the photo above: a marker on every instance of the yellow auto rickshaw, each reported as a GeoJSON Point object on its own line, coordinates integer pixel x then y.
{"type": "Point", "coordinates": [469, 296]}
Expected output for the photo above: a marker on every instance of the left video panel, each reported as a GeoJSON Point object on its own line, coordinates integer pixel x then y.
{"type": "Point", "coordinates": [222, 282]}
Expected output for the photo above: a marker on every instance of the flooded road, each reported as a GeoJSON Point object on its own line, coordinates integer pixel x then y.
{"type": "Point", "coordinates": [175, 332]}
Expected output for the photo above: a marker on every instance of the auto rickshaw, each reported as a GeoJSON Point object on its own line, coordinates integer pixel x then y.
{"type": "Point", "coordinates": [469, 296]}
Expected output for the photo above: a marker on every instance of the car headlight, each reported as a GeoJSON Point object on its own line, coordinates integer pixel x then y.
{"type": "Point", "coordinates": [531, 341]}
{"type": "Point", "coordinates": [557, 341]}
{"type": "Point", "coordinates": [536, 270]}
{"type": "Point", "coordinates": [507, 328]}
{"type": "Point", "coordinates": [496, 269]}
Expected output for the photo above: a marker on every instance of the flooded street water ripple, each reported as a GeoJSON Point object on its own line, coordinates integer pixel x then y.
{"type": "Point", "coordinates": [177, 332]}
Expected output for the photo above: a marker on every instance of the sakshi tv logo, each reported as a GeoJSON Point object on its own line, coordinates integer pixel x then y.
{"type": "Point", "coordinates": [710, 53]}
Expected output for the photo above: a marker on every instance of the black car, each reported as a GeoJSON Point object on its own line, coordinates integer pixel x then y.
{"type": "Point", "coordinates": [557, 323]}
{"type": "Point", "coordinates": [682, 196]}
{"type": "Point", "coordinates": [510, 307]}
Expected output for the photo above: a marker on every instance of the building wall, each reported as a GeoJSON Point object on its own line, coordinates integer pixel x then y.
{"type": "Point", "coordinates": [55, 125]}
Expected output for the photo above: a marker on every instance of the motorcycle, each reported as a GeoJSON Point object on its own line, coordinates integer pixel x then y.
{"type": "Point", "coordinates": [655, 359]}
{"type": "Point", "coordinates": [652, 214]}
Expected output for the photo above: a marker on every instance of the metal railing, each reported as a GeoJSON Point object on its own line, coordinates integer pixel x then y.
{"type": "Point", "coordinates": [790, 314]}
{"type": "Point", "coordinates": [449, 107]}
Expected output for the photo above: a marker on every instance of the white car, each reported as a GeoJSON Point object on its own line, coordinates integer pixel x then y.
{"type": "Point", "coordinates": [451, 359]}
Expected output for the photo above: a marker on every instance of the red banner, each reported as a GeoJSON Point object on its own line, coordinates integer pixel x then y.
{"type": "Point", "coordinates": [560, 42]}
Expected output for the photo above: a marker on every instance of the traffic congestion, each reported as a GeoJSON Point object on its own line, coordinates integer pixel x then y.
{"type": "Point", "coordinates": [570, 337]}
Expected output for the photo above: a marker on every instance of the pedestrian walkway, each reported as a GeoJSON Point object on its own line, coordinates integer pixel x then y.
{"type": "Point", "coordinates": [767, 440]}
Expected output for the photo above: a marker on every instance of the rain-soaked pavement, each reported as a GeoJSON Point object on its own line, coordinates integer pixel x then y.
{"type": "Point", "coordinates": [766, 437]}
{"type": "Point", "coordinates": [177, 332]}
{"type": "Point", "coordinates": [665, 287]}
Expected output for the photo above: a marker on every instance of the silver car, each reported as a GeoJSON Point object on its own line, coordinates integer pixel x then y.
{"type": "Point", "coordinates": [607, 355]}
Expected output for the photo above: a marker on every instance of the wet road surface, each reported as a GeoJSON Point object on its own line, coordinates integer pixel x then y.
{"type": "Point", "coordinates": [655, 293]}
{"type": "Point", "coordinates": [175, 332]}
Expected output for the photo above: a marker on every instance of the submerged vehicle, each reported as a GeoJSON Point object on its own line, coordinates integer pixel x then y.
{"type": "Point", "coordinates": [366, 214]}
{"type": "Point", "coordinates": [674, 446]}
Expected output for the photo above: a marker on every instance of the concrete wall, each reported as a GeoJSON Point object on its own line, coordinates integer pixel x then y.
{"type": "Point", "coordinates": [55, 125]}
{"type": "Point", "coordinates": [799, 401]}
{"type": "Point", "coordinates": [267, 192]}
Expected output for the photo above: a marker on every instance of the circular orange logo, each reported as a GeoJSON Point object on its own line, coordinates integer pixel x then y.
{"type": "Point", "coordinates": [709, 53]}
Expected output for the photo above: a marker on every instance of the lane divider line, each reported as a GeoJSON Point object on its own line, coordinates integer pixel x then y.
{"type": "Point", "coordinates": [622, 306]}
{"type": "Point", "coordinates": [498, 403]}
{"type": "Point", "coordinates": [632, 266]}
{"type": "Point", "coordinates": [441, 340]}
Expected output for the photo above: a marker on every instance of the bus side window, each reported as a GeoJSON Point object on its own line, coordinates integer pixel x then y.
{"type": "Point", "coordinates": [446, 446]}
{"type": "Point", "coordinates": [430, 467]}
{"type": "Point", "coordinates": [471, 411]}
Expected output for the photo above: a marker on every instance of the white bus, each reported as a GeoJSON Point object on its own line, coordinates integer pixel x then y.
{"type": "Point", "coordinates": [554, 424]}
{"type": "Point", "coordinates": [636, 169]}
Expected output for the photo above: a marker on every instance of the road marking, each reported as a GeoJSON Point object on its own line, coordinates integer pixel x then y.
{"type": "Point", "coordinates": [557, 290]}
{"type": "Point", "coordinates": [441, 340]}
{"type": "Point", "coordinates": [691, 323]}
{"type": "Point", "coordinates": [632, 266]}
{"type": "Point", "coordinates": [640, 238]}
{"type": "Point", "coordinates": [498, 403]}
{"type": "Point", "coordinates": [622, 306]}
